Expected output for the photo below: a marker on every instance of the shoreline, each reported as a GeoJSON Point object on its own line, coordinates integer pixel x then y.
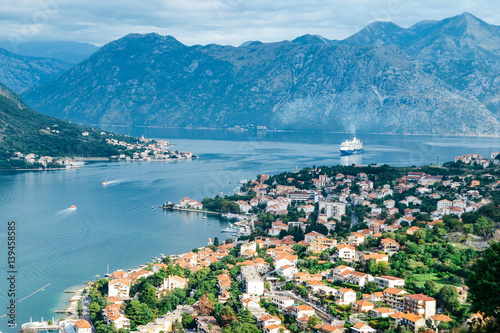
{"type": "Point", "coordinates": [298, 131]}
{"type": "Point", "coordinates": [100, 159]}
{"type": "Point", "coordinates": [69, 306]}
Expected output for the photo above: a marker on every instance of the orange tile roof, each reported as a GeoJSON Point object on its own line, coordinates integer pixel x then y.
{"type": "Point", "coordinates": [411, 317]}
{"type": "Point", "coordinates": [82, 323]}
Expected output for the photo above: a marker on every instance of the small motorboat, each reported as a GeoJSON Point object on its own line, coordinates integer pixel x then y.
{"type": "Point", "coordinates": [73, 207]}
{"type": "Point", "coordinates": [104, 183]}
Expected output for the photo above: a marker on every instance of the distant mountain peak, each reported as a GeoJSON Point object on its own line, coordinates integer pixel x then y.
{"type": "Point", "coordinates": [251, 43]}
{"type": "Point", "coordinates": [309, 39]}
{"type": "Point", "coordinates": [377, 33]}
{"type": "Point", "coordinates": [151, 36]}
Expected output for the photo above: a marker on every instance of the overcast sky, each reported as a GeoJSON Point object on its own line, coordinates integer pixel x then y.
{"type": "Point", "coordinates": [219, 21]}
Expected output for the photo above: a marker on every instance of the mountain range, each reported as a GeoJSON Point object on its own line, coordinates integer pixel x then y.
{"type": "Point", "coordinates": [436, 77]}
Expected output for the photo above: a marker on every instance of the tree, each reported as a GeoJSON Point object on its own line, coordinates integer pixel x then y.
{"type": "Point", "coordinates": [216, 241]}
{"type": "Point", "coordinates": [468, 228]}
{"type": "Point", "coordinates": [484, 283]}
{"type": "Point", "coordinates": [80, 308]}
{"type": "Point", "coordinates": [313, 321]}
{"type": "Point", "coordinates": [177, 326]}
{"type": "Point", "coordinates": [370, 287]}
{"type": "Point", "coordinates": [448, 295]}
{"type": "Point", "coordinates": [227, 316]}
{"type": "Point", "coordinates": [484, 227]}
{"type": "Point", "coordinates": [138, 313]}
{"type": "Point", "coordinates": [245, 316]}
{"type": "Point", "coordinates": [204, 306]}
{"type": "Point", "coordinates": [148, 296]}
{"type": "Point", "coordinates": [430, 287]}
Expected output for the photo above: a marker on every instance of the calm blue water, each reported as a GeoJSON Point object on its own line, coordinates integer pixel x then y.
{"type": "Point", "coordinates": [116, 225]}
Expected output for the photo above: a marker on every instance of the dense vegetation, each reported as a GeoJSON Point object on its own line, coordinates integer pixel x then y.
{"type": "Point", "coordinates": [26, 131]}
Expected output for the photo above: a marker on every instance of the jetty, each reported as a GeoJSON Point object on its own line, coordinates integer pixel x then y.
{"type": "Point", "coordinates": [171, 206]}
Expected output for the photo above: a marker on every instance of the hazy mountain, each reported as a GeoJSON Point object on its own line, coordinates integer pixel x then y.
{"type": "Point", "coordinates": [22, 72]}
{"type": "Point", "coordinates": [463, 51]}
{"type": "Point", "coordinates": [27, 131]}
{"type": "Point", "coordinates": [69, 52]}
{"type": "Point", "coordinates": [385, 79]}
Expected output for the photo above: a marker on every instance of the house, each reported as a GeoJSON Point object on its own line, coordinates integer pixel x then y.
{"type": "Point", "coordinates": [282, 302]}
{"type": "Point", "coordinates": [327, 328]}
{"type": "Point", "coordinates": [173, 282]}
{"type": "Point", "coordinates": [389, 245]}
{"type": "Point", "coordinates": [224, 282]}
{"type": "Point", "coordinates": [413, 321]}
{"type": "Point", "coordinates": [302, 310]}
{"type": "Point", "coordinates": [311, 236]}
{"type": "Point", "coordinates": [378, 257]}
{"type": "Point", "coordinates": [420, 305]}
{"type": "Point", "coordinates": [346, 251]}
{"type": "Point", "coordinates": [119, 288]}
{"type": "Point", "coordinates": [442, 204]}
{"type": "Point", "coordinates": [377, 296]}
{"type": "Point", "coordinates": [381, 312]}
{"type": "Point", "coordinates": [341, 273]}
{"type": "Point", "coordinates": [385, 281]}
{"type": "Point", "coordinates": [273, 328]}
{"type": "Point", "coordinates": [120, 321]}
{"type": "Point", "coordinates": [359, 278]}
{"type": "Point", "coordinates": [356, 238]}
{"type": "Point", "coordinates": [326, 242]}
{"type": "Point", "coordinates": [362, 327]}
{"type": "Point", "coordinates": [304, 276]}
{"type": "Point", "coordinates": [285, 260]}
{"type": "Point", "coordinates": [438, 319]}
{"type": "Point", "coordinates": [287, 271]}
{"type": "Point", "coordinates": [83, 326]}
{"type": "Point", "coordinates": [412, 230]}
{"type": "Point", "coordinates": [248, 247]}
{"type": "Point", "coordinates": [394, 297]}
{"type": "Point", "coordinates": [362, 306]}
{"type": "Point", "coordinates": [159, 267]}
{"type": "Point", "coordinates": [346, 296]}
{"type": "Point", "coordinates": [267, 320]}
{"type": "Point", "coordinates": [208, 324]}
{"type": "Point", "coordinates": [252, 281]}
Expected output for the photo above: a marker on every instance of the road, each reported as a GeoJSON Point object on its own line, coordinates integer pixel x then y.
{"type": "Point", "coordinates": [354, 219]}
{"type": "Point", "coordinates": [322, 313]}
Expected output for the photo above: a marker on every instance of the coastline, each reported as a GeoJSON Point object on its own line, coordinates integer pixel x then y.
{"type": "Point", "coordinates": [101, 159]}
{"type": "Point", "coordinates": [68, 306]}
{"type": "Point", "coordinates": [299, 131]}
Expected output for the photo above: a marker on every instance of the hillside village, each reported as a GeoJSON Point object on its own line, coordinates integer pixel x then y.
{"type": "Point", "coordinates": [333, 249]}
{"type": "Point", "coordinates": [127, 149]}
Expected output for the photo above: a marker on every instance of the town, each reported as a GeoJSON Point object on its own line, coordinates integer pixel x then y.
{"type": "Point", "coordinates": [329, 249]}
{"type": "Point", "coordinates": [126, 147]}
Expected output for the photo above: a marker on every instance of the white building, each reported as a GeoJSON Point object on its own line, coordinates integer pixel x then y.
{"type": "Point", "coordinates": [252, 281]}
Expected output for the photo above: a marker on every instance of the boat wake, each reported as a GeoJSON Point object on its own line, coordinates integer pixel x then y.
{"type": "Point", "coordinates": [112, 182]}
{"type": "Point", "coordinates": [66, 212]}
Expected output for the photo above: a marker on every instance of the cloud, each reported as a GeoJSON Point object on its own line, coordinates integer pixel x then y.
{"type": "Point", "coordinates": [219, 21]}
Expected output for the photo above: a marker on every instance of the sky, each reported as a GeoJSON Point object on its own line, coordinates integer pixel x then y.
{"type": "Point", "coordinates": [219, 21]}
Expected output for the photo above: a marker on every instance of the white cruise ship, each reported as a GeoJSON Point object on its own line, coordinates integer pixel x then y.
{"type": "Point", "coordinates": [353, 147]}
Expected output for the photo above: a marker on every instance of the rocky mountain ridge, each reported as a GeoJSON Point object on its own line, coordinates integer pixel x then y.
{"type": "Point", "coordinates": [436, 77]}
